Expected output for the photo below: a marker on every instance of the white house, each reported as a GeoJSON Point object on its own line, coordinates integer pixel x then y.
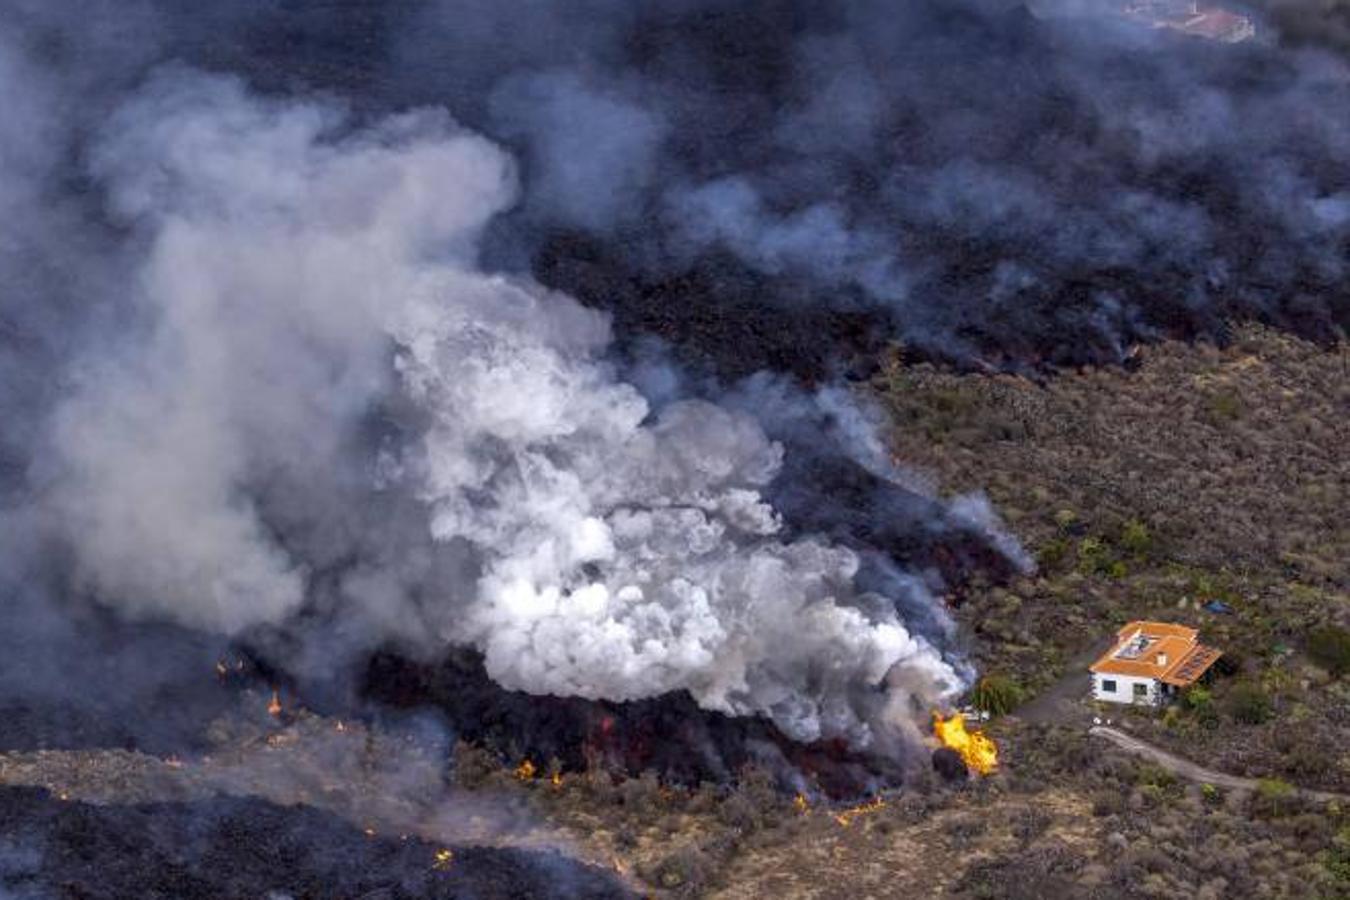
{"type": "Point", "coordinates": [1149, 663]}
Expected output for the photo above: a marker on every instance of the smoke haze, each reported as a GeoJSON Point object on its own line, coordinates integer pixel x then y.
{"type": "Point", "coordinates": [339, 322]}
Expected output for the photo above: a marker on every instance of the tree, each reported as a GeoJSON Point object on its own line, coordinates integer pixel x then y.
{"type": "Point", "coordinates": [997, 694]}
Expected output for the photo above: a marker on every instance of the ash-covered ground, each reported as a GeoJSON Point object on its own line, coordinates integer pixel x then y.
{"type": "Point", "coordinates": [250, 848]}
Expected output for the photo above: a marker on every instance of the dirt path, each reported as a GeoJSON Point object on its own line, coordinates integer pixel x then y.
{"type": "Point", "coordinates": [1189, 770]}
{"type": "Point", "coordinates": [1061, 703]}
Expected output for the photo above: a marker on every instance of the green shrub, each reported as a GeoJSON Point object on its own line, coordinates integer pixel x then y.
{"type": "Point", "coordinates": [1093, 556]}
{"type": "Point", "coordinates": [474, 766]}
{"type": "Point", "coordinates": [687, 870]}
{"type": "Point", "coordinates": [1337, 861]}
{"type": "Point", "coordinates": [1329, 647]}
{"type": "Point", "coordinates": [1151, 775]}
{"type": "Point", "coordinates": [1248, 703]}
{"type": "Point", "coordinates": [1135, 538]}
{"type": "Point", "coordinates": [1273, 797]}
{"type": "Point", "coordinates": [1066, 519]}
{"type": "Point", "coordinates": [1052, 553]}
{"type": "Point", "coordinates": [997, 694]}
{"type": "Point", "coordinates": [1225, 406]}
{"type": "Point", "coordinates": [1200, 702]}
{"type": "Point", "coordinates": [1198, 698]}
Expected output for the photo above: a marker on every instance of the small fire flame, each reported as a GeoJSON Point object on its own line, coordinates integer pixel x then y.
{"type": "Point", "coordinates": [801, 803]}
{"type": "Point", "coordinates": [525, 771]}
{"type": "Point", "coordinates": [846, 817]}
{"type": "Point", "coordinates": [556, 780]}
{"type": "Point", "coordinates": [274, 708]}
{"type": "Point", "coordinates": [979, 752]}
{"type": "Point", "coordinates": [444, 860]}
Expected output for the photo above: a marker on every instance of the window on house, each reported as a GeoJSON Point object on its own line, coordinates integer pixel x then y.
{"type": "Point", "coordinates": [1140, 691]}
{"type": "Point", "coordinates": [1108, 686]}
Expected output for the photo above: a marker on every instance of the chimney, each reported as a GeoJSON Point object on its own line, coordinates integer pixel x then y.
{"type": "Point", "coordinates": [1162, 660]}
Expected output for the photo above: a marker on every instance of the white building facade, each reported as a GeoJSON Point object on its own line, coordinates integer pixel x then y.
{"type": "Point", "coordinates": [1110, 688]}
{"type": "Point", "coordinates": [1149, 663]}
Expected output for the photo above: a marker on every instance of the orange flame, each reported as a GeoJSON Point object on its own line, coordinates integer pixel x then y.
{"type": "Point", "coordinates": [274, 708]}
{"type": "Point", "coordinates": [979, 752]}
{"type": "Point", "coordinates": [556, 779]}
{"type": "Point", "coordinates": [444, 860]}
{"type": "Point", "coordinates": [846, 817]}
{"type": "Point", "coordinates": [801, 803]}
{"type": "Point", "coordinates": [525, 771]}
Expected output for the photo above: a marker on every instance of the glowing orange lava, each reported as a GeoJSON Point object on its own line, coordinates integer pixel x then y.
{"type": "Point", "coordinates": [846, 817]}
{"type": "Point", "coordinates": [979, 752]}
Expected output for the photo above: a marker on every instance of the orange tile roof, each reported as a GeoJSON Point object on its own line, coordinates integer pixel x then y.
{"type": "Point", "coordinates": [1157, 629]}
{"type": "Point", "coordinates": [1173, 654]}
{"type": "Point", "coordinates": [1192, 666]}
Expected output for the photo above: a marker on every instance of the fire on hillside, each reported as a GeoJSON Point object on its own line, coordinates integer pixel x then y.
{"type": "Point", "coordinates": [977, 750]}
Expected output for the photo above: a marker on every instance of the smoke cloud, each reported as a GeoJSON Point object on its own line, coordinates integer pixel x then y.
{"type": "Point", "coordinates": [296, 272]}
{"type": "Point", "coordinates": [341, 325]}
{"type": "Point", "coordinates": [988, 182]}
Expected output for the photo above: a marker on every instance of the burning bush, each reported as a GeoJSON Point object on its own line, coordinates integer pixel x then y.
{"type": "Point", "coordinates": [977, 751]}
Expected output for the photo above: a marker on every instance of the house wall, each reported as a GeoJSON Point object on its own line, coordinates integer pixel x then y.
{"type": "Point", "coordinates": [1124, 692]}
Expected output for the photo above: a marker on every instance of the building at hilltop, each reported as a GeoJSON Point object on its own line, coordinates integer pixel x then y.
{"type": "Point", "coordinates": [1191, 18]}
{"type": "Point", "coordinates": [1149, 663]}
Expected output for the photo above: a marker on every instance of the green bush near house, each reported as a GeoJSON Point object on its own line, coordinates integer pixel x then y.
{"type": "Point", "coordinates": [1198, 698]}
{"type": "Point", "coordinates": [997, 695]}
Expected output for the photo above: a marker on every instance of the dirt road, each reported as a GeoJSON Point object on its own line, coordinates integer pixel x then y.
{"type": "Point", "coordinates": [1189, 770]}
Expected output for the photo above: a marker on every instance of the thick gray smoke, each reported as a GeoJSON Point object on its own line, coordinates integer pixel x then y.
{"type": "Point", "coordinates": [272, 360]}
{"type": "Point", "coordinates": [295, 273]}
{"type": "Point", "coordinates": [987, 182]}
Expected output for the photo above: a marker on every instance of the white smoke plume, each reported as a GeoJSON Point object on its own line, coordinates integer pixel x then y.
{"type": "Point", "coordinates": [299, 270]}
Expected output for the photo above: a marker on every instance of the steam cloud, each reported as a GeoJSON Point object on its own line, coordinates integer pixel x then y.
{"type": "Point", "coordinates": [297, 273]}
